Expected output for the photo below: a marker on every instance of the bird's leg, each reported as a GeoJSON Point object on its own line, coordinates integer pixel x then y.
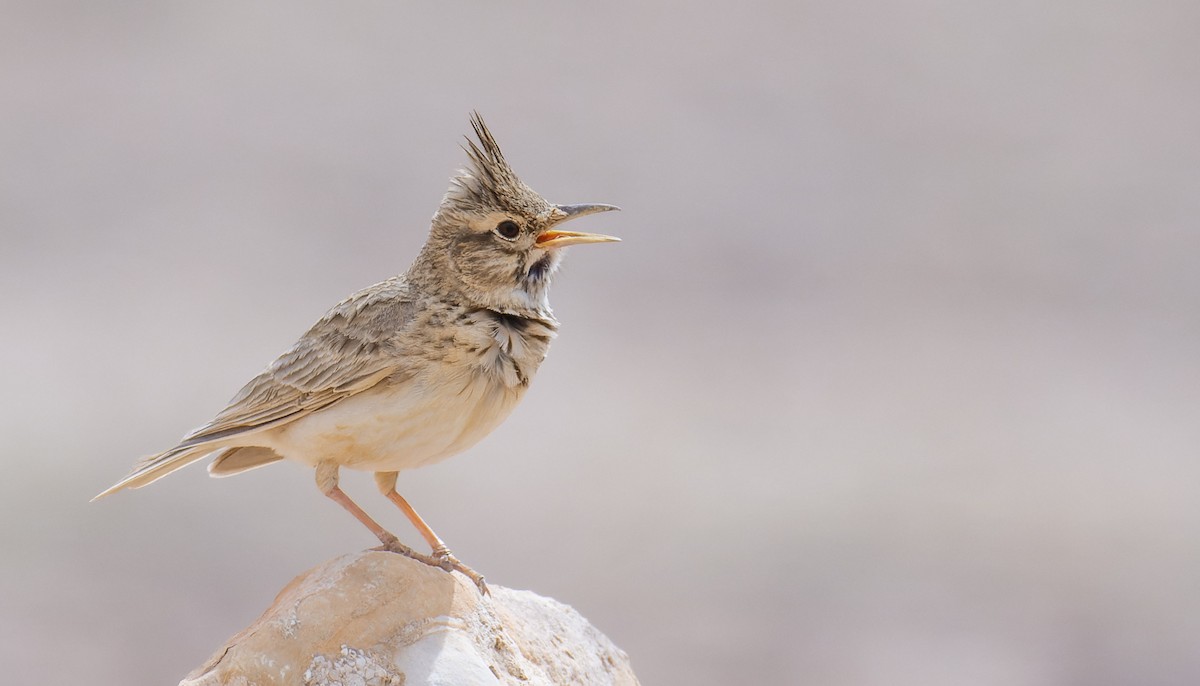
{"type": "Point", "coordinates": [386, 481]}
{"type": "Point", "coordinates": [387, 485]}
{"type": "Point", "coordinates": [327, 481]}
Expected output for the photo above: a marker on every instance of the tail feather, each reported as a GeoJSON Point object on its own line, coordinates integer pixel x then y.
{"type": "Point", "coordinates": [155, 467]}
{"type": "Point", "coordinates": [232, 461]}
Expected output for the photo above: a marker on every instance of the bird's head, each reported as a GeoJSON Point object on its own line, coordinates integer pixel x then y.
{"type": "Point", "coordinates": [494, 240]}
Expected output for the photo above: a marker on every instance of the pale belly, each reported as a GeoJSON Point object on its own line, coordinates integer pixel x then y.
{"type": "Point", "coordinates": [395, 427]}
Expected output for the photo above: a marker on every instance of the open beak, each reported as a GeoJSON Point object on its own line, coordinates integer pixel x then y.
{"type": "Point", "coordinates": [553, 238]}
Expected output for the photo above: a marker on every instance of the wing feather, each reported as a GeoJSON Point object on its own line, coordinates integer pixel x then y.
{"type": "Point", "coordinates": [349, 351]}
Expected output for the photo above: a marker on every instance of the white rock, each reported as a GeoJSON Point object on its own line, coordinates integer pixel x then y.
{"type": "Point", "coordinates": [380, 619]}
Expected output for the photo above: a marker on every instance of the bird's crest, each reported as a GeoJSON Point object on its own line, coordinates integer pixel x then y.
{"type": "Point", "coordinates": [487, 180]}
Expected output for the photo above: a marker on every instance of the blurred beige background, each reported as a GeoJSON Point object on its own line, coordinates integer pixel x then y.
{"type": "Point", "coordinates": [894, 380]}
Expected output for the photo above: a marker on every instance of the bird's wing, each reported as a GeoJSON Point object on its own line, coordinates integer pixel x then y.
{"type": "Point", "coordinates": [348, 351]}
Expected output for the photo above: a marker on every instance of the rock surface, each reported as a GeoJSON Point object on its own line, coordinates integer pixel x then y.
{"type": "Point", "coordinates": [376, 619]}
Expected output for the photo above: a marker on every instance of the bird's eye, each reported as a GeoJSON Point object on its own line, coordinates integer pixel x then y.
{"type": "Point", "coordinates": [508, 229]}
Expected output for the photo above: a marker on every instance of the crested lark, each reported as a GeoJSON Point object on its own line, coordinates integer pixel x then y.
{"type": "Point", "coordinates": [411, 370]}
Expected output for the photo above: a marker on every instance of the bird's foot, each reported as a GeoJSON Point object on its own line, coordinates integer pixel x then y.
{"type": "Point", "coordinates": [441, 558]}
{"type": "Point", "coordinates": [392, 544]}
{"type": "Point", "coordinates": [448, 562]}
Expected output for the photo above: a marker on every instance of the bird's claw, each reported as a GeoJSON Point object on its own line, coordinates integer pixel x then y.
{"type": "Point", "coordinates": [441, 558]}
{"type": "Point", "coordinates": [392, 544]}
{"type": "Point", "coordinates": [450, 563]}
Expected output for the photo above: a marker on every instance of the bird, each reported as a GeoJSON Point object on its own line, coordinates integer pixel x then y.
{"type": "Point", "coordinates": [414, 369]}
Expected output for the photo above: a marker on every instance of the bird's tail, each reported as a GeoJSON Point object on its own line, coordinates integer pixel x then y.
{"type": "Point", "coordinates": [155, 467]}
{"type": "Point", "coordinates": [236, 460]}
